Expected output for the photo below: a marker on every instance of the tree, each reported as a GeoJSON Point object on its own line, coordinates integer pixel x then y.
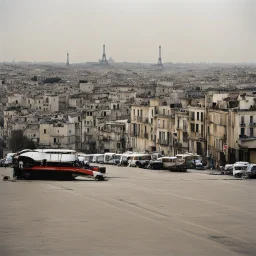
{"type": "Point", "coordinates": [18, 141]}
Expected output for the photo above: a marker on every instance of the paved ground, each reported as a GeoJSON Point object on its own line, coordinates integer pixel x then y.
{"type": "Point", "coordinates": [136, 212]}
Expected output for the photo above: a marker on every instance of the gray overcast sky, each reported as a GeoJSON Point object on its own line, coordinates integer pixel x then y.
{"type": "Point", "coordinates": [188, 30]}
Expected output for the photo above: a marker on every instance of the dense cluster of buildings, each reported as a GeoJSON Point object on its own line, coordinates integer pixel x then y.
{"type": "Point", "coordinates": [206, 110]}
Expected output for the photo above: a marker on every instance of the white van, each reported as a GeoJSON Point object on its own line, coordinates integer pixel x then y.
{"type": "Point", "coordinates": [88, 158]}
{"type": "Point", "coordinates": [125, 158]}
{"type": "Point", "coordinates": [109, 158]}
{"type": "Point", "coordinates": [239, 168]}
{"type": "Point", "coordinates": [139, 159]}
{"type": "Point", "coordinates": [98, 158]}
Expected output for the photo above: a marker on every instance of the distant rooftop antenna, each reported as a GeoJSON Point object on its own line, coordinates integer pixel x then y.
{"type": "Point", "coordinates": [104, 57]}
{"type": "Point", "coordinates": [67, 63]}
{"type": "Point", "coordinates": [159, 63]}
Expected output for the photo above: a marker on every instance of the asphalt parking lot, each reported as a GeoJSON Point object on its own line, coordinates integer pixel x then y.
{"type": "Point", "coordinates": [135, 212]}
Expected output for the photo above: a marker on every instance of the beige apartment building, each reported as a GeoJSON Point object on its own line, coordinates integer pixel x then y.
{"type": "Point", "coordinates": [59, 135]}
{"type": "Point", "coordinates": [196, 130]}
{"type": "Point", "coordinates": [217, 122]}
{"type": "Point", "coordinates": [241, 140]}
{"type": "Point", "coordinates": [143, 126]}
{"type": "Point", "coordinates": [113, 137]}
{"type": "Point", "coordinates": [180, 135]}
{"type": "Point", "coordinates": [163, 129]}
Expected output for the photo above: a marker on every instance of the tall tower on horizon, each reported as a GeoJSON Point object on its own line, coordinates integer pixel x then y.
{"type": "Point", "coordinates": [104, 58]}
{"type": "Point", "coordinates": [67, 63]}
{"type": "Point", "coordinates": [159, 63]}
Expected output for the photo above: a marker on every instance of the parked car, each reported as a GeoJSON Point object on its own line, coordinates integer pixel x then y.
{"type": "Point", "coordinates": [155, 165]}
{"type": "Point", "coordinates": [228, 169]}
{"type": "Point", "coordinates": [251, 171]}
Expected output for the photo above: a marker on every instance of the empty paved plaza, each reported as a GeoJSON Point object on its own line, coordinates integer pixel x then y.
{"type": "Point", "coordinates": [135, 212]}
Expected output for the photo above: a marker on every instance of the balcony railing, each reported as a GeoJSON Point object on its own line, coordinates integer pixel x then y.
{"type": "Point", "coordinates": [252, 124]}
{"type": "Point", "coordinates": [242, 124]}
{"type": "Point", "coordinates": [135, 134]}
{"type": "Point", "coordinates": [184, 128]}
{"type": "Point", "coordinates": [140, 119]}
{"type": "Point", "coordinates": [247, 137]}
{"type": "Point", "coordinates": [163, 142]}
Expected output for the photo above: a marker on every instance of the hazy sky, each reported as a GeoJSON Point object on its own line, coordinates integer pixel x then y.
{"type": "Point", "coordinates": [188, 30]}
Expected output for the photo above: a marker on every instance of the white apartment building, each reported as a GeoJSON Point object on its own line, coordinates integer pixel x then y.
{"type": "Point", "coordinates": [60, 135]}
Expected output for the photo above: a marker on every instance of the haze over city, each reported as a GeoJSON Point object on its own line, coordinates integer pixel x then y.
{"type": "Point", "coordinates": [188, 30]}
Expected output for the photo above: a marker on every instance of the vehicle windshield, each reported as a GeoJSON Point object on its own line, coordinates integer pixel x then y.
{"type": "Point", "coordinates": [240, 167]}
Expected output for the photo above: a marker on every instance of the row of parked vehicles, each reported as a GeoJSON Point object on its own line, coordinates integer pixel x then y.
{"type": "Point", "coordinates": [180, 162]}
{"type": "Point", "coordinates": [241, 169]}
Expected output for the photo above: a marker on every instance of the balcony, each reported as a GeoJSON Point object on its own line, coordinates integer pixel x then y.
{"type": "Point", "coordinates": [242, 124]}
{"type": "Point", "coordinates": [246, 137]}
{"type": "Point", "coordinates": [184, 128]}
{"type": "Point", "coordinates": [135, 134]}
{"type": "Point", "coordinates": [163, 142]}
{"type": "Point", "coordinates": [164, 115]}
{"type": "Point", "coordinates": [140, 119]}
{"type": "Point", "coordinates": [252, 124]}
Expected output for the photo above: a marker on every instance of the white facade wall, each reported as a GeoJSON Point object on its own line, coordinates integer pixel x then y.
{"type": "Point", "coordinates": [17, 99]}
{"type": "Point", "coordinates": [53, 103]}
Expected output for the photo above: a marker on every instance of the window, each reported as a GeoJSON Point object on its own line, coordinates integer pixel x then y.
{"type": "Point", "coordinates": [192, 116]}
{"type": "Point", "coordinates": [34, 135]}
{"type": "Point", "coordinates": [251, 132]}
{"type": "Point", "coordinates": [118, 145]}
{"type": "Point", "coordinates": [242, 131]}
{"type": "Point", "coordinates": [44, 131]}
{"type": "Point", "coordinates": [54, 140]}
{"type": "Point", "coordinates": [197, 115]}
{"type": "Point", "coordinates": [192, 127]}
{"type": "Point", "coordinates": [202, 116]}
{"type": "Point", "coordinates": [184, 125]}
{"type": "Point", "coordinates": [197, 128]}
{"type": "Point", "coordinates": [163, 123]}
{"type": "Point", "coordinates": [251, 119]}
{"type": "Point", "coordinates": [242, 119]}
{"type": "Point", "coordinates": [69, 131]}
{"type": "Point", "coordinates": [134, 112]}
{"type": "Point", "coordinates": [88, 129]}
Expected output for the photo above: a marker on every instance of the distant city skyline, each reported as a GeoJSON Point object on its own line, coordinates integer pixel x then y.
{"type": "Point", "coordinates": [188, 30]}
